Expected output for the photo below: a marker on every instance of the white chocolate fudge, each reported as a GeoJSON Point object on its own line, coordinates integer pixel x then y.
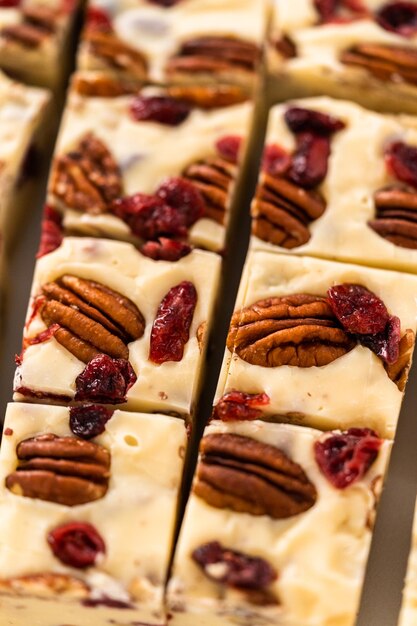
{"type": "Point", "coordinates": [360, 211]}
{"type": "Point", "coordinates": [408, 614]}
{"type": "Point", "coordinates": [125, 329]}
{"type": "Point", "coordinates": [145, 153]}
{"type": "Point", "coordinates": [187, 41]}
{"type": "Point", "coordinates": [300, 559]}
{"type": "Point", "coordinates": [134, 517]}
{"type": "Point", "coordinates": [311, 374]}
{"type": "Point", "coordinates": [368, 56]}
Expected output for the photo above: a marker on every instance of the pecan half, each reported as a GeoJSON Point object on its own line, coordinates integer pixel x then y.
{"type": "Point", "coordinates": [45, 585]}
{"type": "Point", "coordinates": [208, 96]}
{"type": "Point", "coordinates": [64, 470]}
{"type": "Point", "coordinates": [398, 371]}
{"type": "Point", "coordinates": [87, 178]}
{"type": "Point", "coordinates": [396, 215]}
{"type": "Point", "coordinates": [248, 476]}
{"type": "Point", "coordinates": [298, 330]}
{"type": "Point", "coordinates": [116, 54]}
{"type": "Point", "coordinates": [102, 86]}
{"type": "Point", "coordinates": [386, 62]}
{"type": "Point", "coordinates": [282, 211]}
{"type": "Point", "coordinates": [213, 178]}
{"type": "Point", "coordinates": [92, 319]}
{"type": "Point", "coordinates": [37, 24]}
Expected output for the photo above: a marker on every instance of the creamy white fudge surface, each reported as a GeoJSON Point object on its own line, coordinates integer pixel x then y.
{"type": "Point", "coordinates": [158, 32]}
{"type": "Point", "coordinates": [356, 170]}
{"type": "Point", "coordinates": [408, 614]}
{"type": "Point", "coordinates": [316, 68]}
{"type": "Point", "coordinates": [49, 368]}
{"type": "Point", "coordinates": [135, 518]}
{"type": "Point", "coordinates": [147, 153]}
{"type": "Point", "coordinates": [352, 390]}
{"type": "Point", "coordinates": [34, 40]}
{"type": "Point", "coordinates": [319, 556]}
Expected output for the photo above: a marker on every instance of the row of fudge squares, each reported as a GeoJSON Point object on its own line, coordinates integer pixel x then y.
{"type": "Point", "coordinates": [274, 512]}
{"type": "Point", "coordinates": [363, 51]}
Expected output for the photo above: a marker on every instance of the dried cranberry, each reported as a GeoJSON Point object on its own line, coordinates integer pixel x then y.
{"type": "Point", "coordinates": [309, 161]}
{"type": "Point", "coordinates": [149, 217]}
{"type": "Point", "coordinates": [166, 249]}
{"type": "Point", "coordinates": [8, 4]}
{"type": "Point", "coordinates": [105, 380]}
{"type": "Point", "coordinates": [239, 570]}
{"type": "Point", "coordinates": [306, 120]}
{"type": "Point", "coordinates": [399, 17]}
{"type": "Point", "coordinates": [171, 328]}
{"type": "Point", "coordinates": [43, 336]}
{"type": "Point", "coordinates": [162, 109]}
{"type": "Point", "coordinates": [76, 544]}
{"type": "Point", "coordinates": [98, 19]}
{"type": "Point", "coordinates": [401, 161]}
{"type": "Point", "coordinates": [329, 9]}
{"type": "Point", "coordinates": [51, 231]}
{"type": "Point", "coordinates": [237, 405]}
{"type": "Point", "coordinates": [89, 420]}
{"type": "Point", "coordinates": [326, 9]}
{"type": "Point", "coordinates": [183, 196]}
{"type": "Point", "coordinates": [229, 146]}
{"type": "Point", "coordinates": [346, 457]}
{"type": "Point", "coordinates": [358, 310]}
{"type": "Point", "coordinates": [385, 344]}
{"type": "Point", "coordinates": [275, 160]}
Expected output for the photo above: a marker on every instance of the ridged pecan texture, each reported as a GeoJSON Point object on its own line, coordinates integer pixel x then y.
{"type": "Point", "coordinates": [396, 215]}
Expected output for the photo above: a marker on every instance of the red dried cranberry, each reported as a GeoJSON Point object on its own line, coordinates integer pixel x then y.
{"type": "Point", "coordinates": [183, 196]}
{"type": "Point", "coordinates": [309, 161]}
{"type": "Point", "coordinates": [329, 9]}
{"type": "Point", "coordinates": [171, 328]}
{"type": "Point", "coordinates": [239, 570]}
{"type": "Point", "coordinates": [51, 231]}
{"type": "Point", "coordinates": [358, 310]}
{"type": "Point", "coordinates": [43, 336]}
{"type": "Point", "coordinates": [306, 120]}
{"type": "Point", "coordinates": [105, 380]}
{"type": "Point", "coordinates": [89, 420]}
{"type": "Point", "coordinates": [162, 109]}
{"type": "Point", "coordinates": [229, 146]}
{"type": "Point", "coordinates": [166, 249]}
{"type": "Point", "coordinates": [346, 457]}
{"type": "Point", "coordinates": [401, 161]}
{"type": "Point", "coordinates": [399, 17]}
{"type": "Point", "coordinates": [385, 344]}
{"type": "Point", "coordinates": [326, 9]}
{"type": "Point", "coordinates": [149, 217]}
{"type": "Point", "coordinates": [8, 4]}
{"type": "Point", "coordinates": [76, 544]}
{"type": "Point", "coordinates": [237, 405]}
{"type": "Point", "coordinates": [275, 160]}
{"type": "Point", "coordinates": [98, 19]}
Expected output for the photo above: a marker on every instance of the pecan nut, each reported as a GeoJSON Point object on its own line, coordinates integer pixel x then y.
{"type": "Point", "coordinates": [282, 211]}
{"type": "Point", "coordinates": [37, 24]}
{"type": "Point", "coordinates": [396, 215]}
{"type": "Point", "coordinates": [45, 585]}
{"type": "Point", "coordinates": [116, 54]}
{"type": "Point", "coordinates": [398, 371]}
{"type": "Point", "coordinates": [248, 476]}
{"type": "Point", "coordinates": [88, 177]}
{"type": "Point", "coordinates": [386, 62]}
{"type": "Point", "coordinates": [64, 470]}
{"type": "Point", "coordinates": [213, 177]}
{"type": "Point", "coordinates": [100, 85]}
{"type": "Point", "coordinates": [92, 319]}
{"type": "Point", "coordinates": [208, 96]}
{"type": "Point", "coordinates": [298, 330]}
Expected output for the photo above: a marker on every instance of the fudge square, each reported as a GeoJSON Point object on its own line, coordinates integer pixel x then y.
{"type": "Point", "coordinates": [276, 531]}
{"type": "Point", "coordinates": [337, 181]}
{"type": "Point", "coordinates": [185, 41]}
{"type": "Point", "coordinates": [330, 344]}
{"type": "Point", "coordinates": [150, 164]}
{"type": "Point", "coordinates": [107, 324]}
{"type": "Point", "coordinates": [364, 51]}
{"type": "Point", "coordinates": [88, 499]}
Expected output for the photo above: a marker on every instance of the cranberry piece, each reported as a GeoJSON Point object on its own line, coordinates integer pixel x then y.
{"type": "Point", "coordinates": [9, 4]}
{"type": "Point", "coordinates": [162, 109]}
{"type": "Point", "coordinates": [165, 3]}
{"type": "Point", "coordinates": [358, 310]}
{"type": "Point", "coordinates": [89, 420]}
{"type": "Point", "coordinates": [239, 570]}
{"type": "Point", "coordinates": [98, 19]}
{"type": "Point", "coordinates": [166, 249]}
{"type": "Point", "coordinates": [237, 405]}
{"type": "Point", "coordinates": [309, 161]}
{"type": "Point", "coordinates": [229, 146]}
{"type": "Point", "coordinates": [306, 120]}
{"type": "Point", "coordinates": [399, 17]}
{"type": "Point", "coordinates": [43, 336]}
{"type": "Point", "coordinates": [326, 9]}
{"type": "Point", "coordinates": [275, 160]}
{"type": "Point", "coordinates": [76, 544]}
{"type": "Point", "coordinates": [105, 380]}
{"type": "Point", "coordinates": [329, 9]}
{"type": "Point", "coordinates": [401, 161]}
{"type": "Point", "coordinates": [183, 196]}
{"type": "Point", "coordinates": [171, 328]}
{"type": "Point", "coordinates": [385, 344]}
{"type": "Point", "coordinates": [346, 457]}
{"type": "Point", "coordinates": [51, 231]}
{"type": "Point", "coordinates": [149, 217]}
